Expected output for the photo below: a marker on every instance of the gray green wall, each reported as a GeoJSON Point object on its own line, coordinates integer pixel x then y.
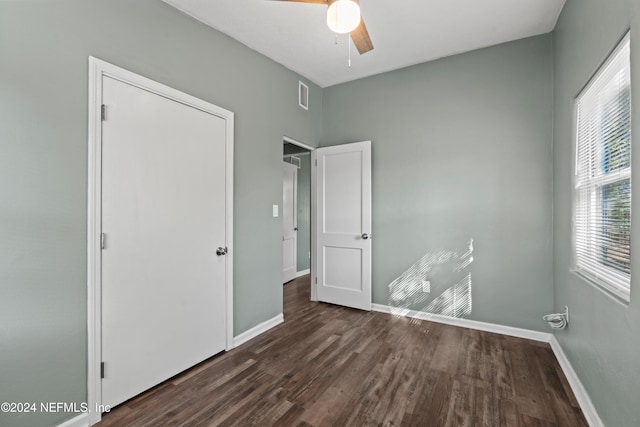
{"type": "Point", "coordinates": [603, 339]}
{"type": "Point", "coordinates": [304, 213]}
{"type": "Point", "coordinates": [462, 149]}
{"type": "Point", "coordinates": [44, 46]}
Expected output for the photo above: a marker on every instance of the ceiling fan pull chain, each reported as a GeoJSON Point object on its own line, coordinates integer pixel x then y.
{"type": "Point", "coordinates": [349, 43]}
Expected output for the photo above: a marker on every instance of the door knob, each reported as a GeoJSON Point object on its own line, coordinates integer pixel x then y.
{"type": "Point", "coordinates": [365, 236]}
{"type": "Point", "coordinates": [221, 251]}
{"type": "Point", "coordinates": [295, 229]}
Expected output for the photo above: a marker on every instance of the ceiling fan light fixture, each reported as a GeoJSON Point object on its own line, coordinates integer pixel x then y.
{"type": "Point", "coordinates": [343, 16]}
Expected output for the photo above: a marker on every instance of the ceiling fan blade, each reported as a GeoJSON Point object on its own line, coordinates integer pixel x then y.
{"type": "Point", "coordinates": [361, 39]}
{"type": "Point", "coordinates": [325, 2]}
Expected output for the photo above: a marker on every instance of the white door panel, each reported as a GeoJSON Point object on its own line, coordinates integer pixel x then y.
{"type": "Point", "coordinates": [343, 193]}
{"type": "Point", "coordinates": [289, 222]}
{"type": "Point", "coordinates": [343, 229]}
{"type": "Point", "coordinates": [345, 268]}
{"type": "Point", "coordinates": [288, 257]}
{"type": "Point", "coordinates": [163, 213]}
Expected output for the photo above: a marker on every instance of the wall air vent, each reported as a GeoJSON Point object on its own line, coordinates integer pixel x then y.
{"type": "Point", "coordinates": [303, 95]}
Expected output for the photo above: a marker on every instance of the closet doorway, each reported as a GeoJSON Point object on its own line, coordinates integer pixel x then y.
{"type": "Point", "coordinates": [296, 210]}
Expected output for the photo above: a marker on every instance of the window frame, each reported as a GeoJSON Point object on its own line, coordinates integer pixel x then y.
{"type": "Point", "coordinates": [594, 273]}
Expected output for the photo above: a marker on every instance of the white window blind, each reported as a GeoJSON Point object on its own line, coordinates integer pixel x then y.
{"type": "Point", "coordinates": [602, 222]}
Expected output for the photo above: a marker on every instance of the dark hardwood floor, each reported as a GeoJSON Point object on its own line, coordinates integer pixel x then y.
{"type": "Point", "coordinates": [334, 366]}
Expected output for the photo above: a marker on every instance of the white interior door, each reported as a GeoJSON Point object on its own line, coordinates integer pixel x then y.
{"type": "Point", "coordinates": [163, 215]}
{"type": "Point", "coordinates": [343, 225]}
{"type": "Point", "coordinates": [289, 222]}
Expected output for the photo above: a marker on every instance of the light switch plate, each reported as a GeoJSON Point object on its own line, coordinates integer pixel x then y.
{"type": "Point", "coordinates": [275, 211]}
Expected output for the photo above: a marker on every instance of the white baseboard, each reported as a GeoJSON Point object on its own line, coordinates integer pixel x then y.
{"type": "Point", "coordinates": [303, 272]}
{"type": "Point", "coordinates": [579, 391]}
{"type": "Point", "coordinates": [257, 330]}
{"type": "Point", "coordinates": [465, 323]}
{"type": "Point", "coordinates": [81, 420]}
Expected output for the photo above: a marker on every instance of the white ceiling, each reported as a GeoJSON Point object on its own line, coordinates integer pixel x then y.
{"type": "Point", "coordinates": [404, 32]}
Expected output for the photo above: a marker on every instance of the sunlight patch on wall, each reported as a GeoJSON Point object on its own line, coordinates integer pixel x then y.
{"type": "Point", "coordinates": [438, 283]}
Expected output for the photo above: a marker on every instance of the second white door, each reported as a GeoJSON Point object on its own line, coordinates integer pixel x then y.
{"type": "Point", "coordinates": [343, 225]}
{"type": "Point", "coordinates": [289, 222]}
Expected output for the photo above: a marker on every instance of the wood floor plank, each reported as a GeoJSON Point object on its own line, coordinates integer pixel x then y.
{"type": "Point", "coordinates": [446, 357]}
{"type": "Point", "coordinates": [460, 412]}
{"type": "Point", "coordinates": [500, 367]}
{"type": "Point", "coordinates": [328, 365]}
{"type": "Point", "coordinates": [508, 413]}
{"type": "Point", "coordinates": [531, 396]}
{"type": "Point", "coordinates": [485, 411]}
{"type": "Point", "coordinates": [425, 391]}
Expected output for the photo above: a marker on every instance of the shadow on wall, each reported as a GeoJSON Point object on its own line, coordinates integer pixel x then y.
{"type": "Point", "coordinates": [439, 283]}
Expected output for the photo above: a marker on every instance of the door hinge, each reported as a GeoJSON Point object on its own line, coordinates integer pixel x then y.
{"type": "Point", "coordinates": [316, 280]}
{"type": "Point", "coordinates": [101, 369]}
{"type": "Point", "coordinates": [316, 162]}
{"type": "Point", "coordinates": [103, 240]}
{"type": "Point", "coordinates": [103, 112]}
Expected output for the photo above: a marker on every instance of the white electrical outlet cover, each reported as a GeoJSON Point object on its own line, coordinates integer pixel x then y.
{"type": "Point", "coordinates": [275, 211]}
{"type": "Point", "coordinates": [426, 286]}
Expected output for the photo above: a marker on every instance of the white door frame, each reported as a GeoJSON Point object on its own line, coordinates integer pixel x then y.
{"type": "Point", "coordinates": [314, 296]}
{"type": "Point", "coordinates": [98, 69]}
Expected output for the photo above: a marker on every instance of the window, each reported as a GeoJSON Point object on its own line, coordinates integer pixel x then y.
{"type": "Point", "coordinates": [602, 195]}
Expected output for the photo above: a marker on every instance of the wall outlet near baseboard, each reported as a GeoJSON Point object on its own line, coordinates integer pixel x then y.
{"type": "Point", "coordinates": [426, 286]}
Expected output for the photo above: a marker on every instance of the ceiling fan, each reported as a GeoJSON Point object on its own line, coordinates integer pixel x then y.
{"type": "Point", "coordinates": [343, 16]}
